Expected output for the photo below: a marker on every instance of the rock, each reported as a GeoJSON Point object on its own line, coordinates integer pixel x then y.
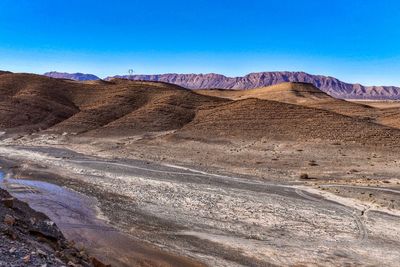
{"type": "Point", "coordinates": [33, 221]}
{"type": "Point", "coordinates": [9, 220]}
{"type": "Point", "coordinates": [26, 259]}
{"type": "Point", "coordinates": [41, 253]}
{"type": "Point", "coordinates": [83, 254]}
{"type": "Point", "coordinates": [10, 233]}
{"type": "Point", "coordinates": [98, 263]}
{"type": "Point", "coordinates": [8, 202]}
{"type": "Point", "coordinates": [12, 250]}
{"type": "Point", "coordinates": [304, 176]}
{"type": "Point", "coordinates": [49, 223]}
{"type": "Point", "coordinates": [71, 264]}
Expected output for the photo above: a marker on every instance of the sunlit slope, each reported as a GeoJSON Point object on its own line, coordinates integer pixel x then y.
{"type": "Point", "coordinates": [304, 94]}
{"type": "Point", "coordinates": [255, 119]}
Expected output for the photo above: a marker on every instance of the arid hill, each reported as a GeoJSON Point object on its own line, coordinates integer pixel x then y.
{"type": "Point", "coordinates": [254, 119]}
{"type": "Point", "coordinates": [122, 107]}
{"type": "Point", "coordinates": [33, 102]}
{"type": "Point", "coordinates": [303, 94]}
{"type": "Point", "coordinates": [292, 111]}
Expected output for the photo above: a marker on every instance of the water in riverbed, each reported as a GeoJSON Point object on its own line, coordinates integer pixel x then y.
{"type": "Point", "coordinates": [77, 216]}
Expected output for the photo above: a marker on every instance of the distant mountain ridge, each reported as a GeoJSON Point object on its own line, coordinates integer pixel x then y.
{"type": "Point", "coordinates": [327, 84]}
{"type": "Point", "coordinates": [72, 76]}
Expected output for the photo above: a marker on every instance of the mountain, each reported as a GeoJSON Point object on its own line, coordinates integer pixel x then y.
{"type": "Point", "coordinates": [72, 76]}
{"type": "Point", "coordinates": [329, 85]}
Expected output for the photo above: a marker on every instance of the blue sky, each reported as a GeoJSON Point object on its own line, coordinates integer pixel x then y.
{"type": "Point", "coordinates": [356, 41]}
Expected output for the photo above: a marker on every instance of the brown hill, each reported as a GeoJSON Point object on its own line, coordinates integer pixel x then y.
{"type": "Point", "coordinates": [386, 112]}
{"type": "Point", "coordinates": [32, 102]}
{"type": "Point", "coordinates": [303, 94]}
{"type": "Point", "coordinates": [122, 108]}
{"type": "Point", "coordinates": [254, 119]}
{"type": "Point", "coordinates": [389, 117]}
{"type": "Point", "coordinates": [4, 72]}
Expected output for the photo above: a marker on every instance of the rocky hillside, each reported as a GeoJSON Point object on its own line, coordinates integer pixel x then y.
{"type": "Point", "coordinates": [330, 85]}
{"type": "Point", "coordinates": [72, 76]}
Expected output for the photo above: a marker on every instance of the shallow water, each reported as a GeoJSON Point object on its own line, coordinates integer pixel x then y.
{"type": "Point", "coordinates": [78, 218]}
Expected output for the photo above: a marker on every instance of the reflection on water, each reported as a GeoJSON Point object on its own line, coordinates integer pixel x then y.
{"type": "Point", "coordinates": [76, 216]}
{"type": "Point", "coordinates": [65, 207]}
{"type": "Point", "coordinates": [73, 213]}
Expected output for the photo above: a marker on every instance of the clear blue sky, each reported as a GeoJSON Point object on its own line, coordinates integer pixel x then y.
{"type": "Point", "coordinates": [354, 40]}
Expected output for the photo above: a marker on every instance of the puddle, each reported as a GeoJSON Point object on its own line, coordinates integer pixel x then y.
{"type": "Point", "coordinates": [78, 218]}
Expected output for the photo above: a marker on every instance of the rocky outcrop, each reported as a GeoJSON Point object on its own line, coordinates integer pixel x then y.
{"type": "Point", "coordinates": [72, 76]}
{"type": "Point", "coordinates": [30, 238]}
{"type": "Point", "coordinates": [330, 85]}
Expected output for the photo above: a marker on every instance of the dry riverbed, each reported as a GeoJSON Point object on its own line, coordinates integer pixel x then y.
{"type": "Point", "coordinates": [221, 218]}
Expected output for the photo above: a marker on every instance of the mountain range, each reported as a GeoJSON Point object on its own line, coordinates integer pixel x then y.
{"type": "Point", "coordinates": [327, 84]}
{"type": "Point", "coordinates": [72, 76]}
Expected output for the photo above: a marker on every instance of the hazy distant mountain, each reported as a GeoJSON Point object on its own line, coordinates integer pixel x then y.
{"type": "Point", "coordinates": [72, 76]}
{"type": "Point", "coordinates": [330, 85]}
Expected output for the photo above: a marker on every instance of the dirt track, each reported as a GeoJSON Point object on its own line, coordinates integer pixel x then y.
{"type": "Point", "coordinates": [223, 219]}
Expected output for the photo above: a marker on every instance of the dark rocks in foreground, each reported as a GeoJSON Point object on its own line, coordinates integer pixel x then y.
{"type": "Point", "coordinates": [30, 238]}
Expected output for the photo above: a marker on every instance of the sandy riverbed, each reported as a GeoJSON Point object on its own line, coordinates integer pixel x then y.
{"type": "Point", "coordinates": [225, 218]}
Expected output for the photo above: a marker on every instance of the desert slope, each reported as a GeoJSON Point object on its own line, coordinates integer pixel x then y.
{"type": "Point", "coordinates": [253, 119]}
{"type": "Point", "coordinates": [290, 111]}
{"type": "Point", "coordinates": [31, 102]}
{"type": "Point", "coordinates": [123, 107]}
{"type": "Point", "coordinates": [303, 94]}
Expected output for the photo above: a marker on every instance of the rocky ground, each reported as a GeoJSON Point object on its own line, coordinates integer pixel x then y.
{"type": "Point", "coordinates": [30, 238]}
{"type": "Point", "coordinates": [233, 204]}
